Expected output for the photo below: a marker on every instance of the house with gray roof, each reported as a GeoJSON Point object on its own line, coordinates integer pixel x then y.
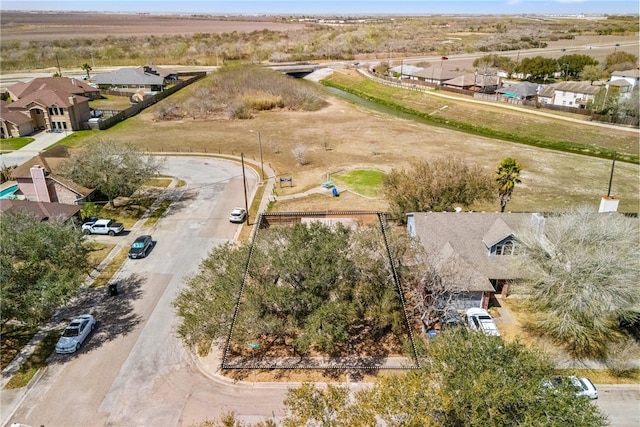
{"type": "Point", "coordinates": [523, 90]}
{"type": "Point", "coordinates": [631, 76]}
{"type": "Point", "coordinates": [133, 79]}
{"type": "Point", "coordinates": [480, 246]}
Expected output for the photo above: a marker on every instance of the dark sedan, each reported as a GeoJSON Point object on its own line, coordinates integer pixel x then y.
{"type": "Point", "coordinates": [140, 247]}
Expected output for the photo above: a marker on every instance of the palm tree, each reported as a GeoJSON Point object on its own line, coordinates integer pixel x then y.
{"type": "Point", "coordinates": [86, 67]}
{"type": "Point", "coordinates": [507, 176]}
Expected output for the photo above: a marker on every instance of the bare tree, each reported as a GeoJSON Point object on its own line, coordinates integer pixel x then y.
{"type": "Point", "coordinates": [582, 278]}
{"type": "Point", "coordinates": [300, 154]}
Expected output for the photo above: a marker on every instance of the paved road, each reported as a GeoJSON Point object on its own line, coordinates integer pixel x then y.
{"type": "Point", "coordinates": [134, 370]}
{"type": "Point", "coordinates": [621, 404]}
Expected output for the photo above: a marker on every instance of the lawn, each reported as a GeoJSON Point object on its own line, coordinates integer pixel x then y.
{"type": "Point", "coordinates": [12, 144]}
{"type": "Point", "coordinates": [36, 361]}
{"type": "Point", "coordinates": [365, 182]}
{"type": "Point", "coordinates": [13, 338]}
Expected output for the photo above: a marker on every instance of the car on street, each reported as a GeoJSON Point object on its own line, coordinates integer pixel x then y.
{"type": "Point", "coordinates": [479, 319]}
{"type": "Point", "coordinates": [140, 247]}
{"type": "Point", "coordinates": [582, 386]}
{"type": "Point", "coordinates": [238, 215]}
{"type": "Point", "coordinates": [75, 334]}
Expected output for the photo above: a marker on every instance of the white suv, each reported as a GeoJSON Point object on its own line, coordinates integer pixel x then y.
{"type": "Point", "coordinates": [479, 320]}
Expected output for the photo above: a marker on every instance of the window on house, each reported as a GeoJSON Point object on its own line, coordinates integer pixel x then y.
{"type": "Point", "coordinates": [61, 111]}
{"type": "Point", "coordinates": [506, 248]}
{"type": "Point", "coordinates": [64, 125]}
{"type": "Point", "coordinates": [53, 125]}
{"type": "Point", "coordinates": [50, 111]}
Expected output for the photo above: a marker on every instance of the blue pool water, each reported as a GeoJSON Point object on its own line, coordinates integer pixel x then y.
{"type": "Point", "coordinates": [8, 192]}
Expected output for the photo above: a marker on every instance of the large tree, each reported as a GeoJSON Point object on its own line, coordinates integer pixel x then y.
{"type": "Point", "coordinates": [582, 277]}
{"type": "Point", "coordinates": [507, 176]}
{"type": "Point", "coordinates": [43, 265]}
{"type": "Point", "coordinates": [538, 68]}
{"type": "Point", "coordinates": [114, 169]}
{"type": "Point", "coordinates": [572, 65]}
{"type": "Point", "coordinates": [306, 286]}
{"type": "Point", "coordinates": [437, 186]}
{"type": "Point", "coordinates": [466, 379]}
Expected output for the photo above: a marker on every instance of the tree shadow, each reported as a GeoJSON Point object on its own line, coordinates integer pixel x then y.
{"type": "Point", "coordinates": [114, 314]}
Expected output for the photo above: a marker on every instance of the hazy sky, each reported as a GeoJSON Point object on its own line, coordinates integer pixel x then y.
{"type": "Point", "coordinates": [296, 7]}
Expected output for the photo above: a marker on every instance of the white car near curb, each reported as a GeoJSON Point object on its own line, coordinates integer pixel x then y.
{"type": "Point", "coordinates": [75, 334]}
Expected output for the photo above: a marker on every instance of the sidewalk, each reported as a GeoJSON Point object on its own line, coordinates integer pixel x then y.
{"type": "Point", "coordinates": [43, 140]}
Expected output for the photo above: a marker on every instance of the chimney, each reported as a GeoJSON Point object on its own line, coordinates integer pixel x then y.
{"type": "Point", "coordinates": [537, 220]}
{"type": "Point", "coordinates": [40, 183]}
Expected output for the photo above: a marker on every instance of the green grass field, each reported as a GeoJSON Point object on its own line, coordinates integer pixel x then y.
{"type": "Point", "coordinates": [366, 182]}
{"type": "Point", "coordinates": [12, 144]}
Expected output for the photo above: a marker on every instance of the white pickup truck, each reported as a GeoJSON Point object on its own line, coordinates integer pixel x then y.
{"type": "Point", "coordinates": [102, 226]}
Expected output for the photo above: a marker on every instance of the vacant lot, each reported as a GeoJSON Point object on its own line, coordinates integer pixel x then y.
{"type": "Point", "coordinates": [44, 26]}
{"type": "Point", "coordinates": [344, 137]}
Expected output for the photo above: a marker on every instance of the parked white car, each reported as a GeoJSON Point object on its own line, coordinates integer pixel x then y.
{"type": "Point", "coordinates": [582, 386]}
{"type": "Point", "coordinates": [75, 334]}
{"type": "Point", "coordinates": [479, 319]}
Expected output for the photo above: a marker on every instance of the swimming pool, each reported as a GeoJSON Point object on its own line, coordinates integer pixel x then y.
{"type": "Point", "coordinates": [8, 192]}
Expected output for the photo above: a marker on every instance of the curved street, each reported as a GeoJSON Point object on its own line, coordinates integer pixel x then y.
{"type": "Point", "coordinates": [134, 370]}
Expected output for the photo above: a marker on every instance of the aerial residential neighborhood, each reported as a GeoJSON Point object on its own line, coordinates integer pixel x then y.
{"type": "Point", "coordinates": [415, 217]}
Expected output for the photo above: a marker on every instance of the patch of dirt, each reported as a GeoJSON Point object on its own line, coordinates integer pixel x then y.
{"type": "Point", "coordinates": [69, 25]}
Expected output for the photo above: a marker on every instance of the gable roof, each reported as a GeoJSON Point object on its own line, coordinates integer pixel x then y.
{"type": "Point", "coordinates": [49, 160]}
{"type": "Point", "coordinates": [498, 231]}
{"type": "Point", "coordinates": [576, 87]}
{"type": "Point", "coordinates": [436, 73]}
{"type": "Point", "coordinates": [469, 235]}
{"type": "Point", "coordinates": [634, 73]}
{"type": "Point", "coordinates": [129, 76]}
{"type": "Point", "coordinates": [48, 98]}
{"type": "Point", "coordinates": [10, 116]}
{"type": "Point", "coordinates": [44, 211]}
{"type": "Point", "coordinates": [66, 85]}
{"type": "Point", "coordinates": [472, 80]}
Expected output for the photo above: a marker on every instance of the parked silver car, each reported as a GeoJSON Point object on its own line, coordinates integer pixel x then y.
{"type": "Point", "coordinates": [75, 334]}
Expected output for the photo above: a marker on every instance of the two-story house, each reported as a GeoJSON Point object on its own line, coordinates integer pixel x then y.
{"type": "Point", "coordinates": [51, 103]}
{"type": "Point", "coordinates": [480, 245]}
{"type": "Point", "coordinates": [568, 94]}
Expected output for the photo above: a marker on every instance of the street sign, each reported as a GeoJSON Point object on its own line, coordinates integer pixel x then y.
{"type": "Point", "coordinates": [253, 345]}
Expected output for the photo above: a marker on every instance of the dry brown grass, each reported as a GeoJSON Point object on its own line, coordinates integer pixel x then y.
{"type": "Point", "coordinates": [360, 139]}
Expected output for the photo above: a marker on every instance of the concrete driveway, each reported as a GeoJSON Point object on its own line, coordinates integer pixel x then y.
{"type": "Point", "coordinates": [43, 140]}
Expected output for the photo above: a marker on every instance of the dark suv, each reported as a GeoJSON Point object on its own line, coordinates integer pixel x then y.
{"type": "Point", "coordinates": [140, 247]}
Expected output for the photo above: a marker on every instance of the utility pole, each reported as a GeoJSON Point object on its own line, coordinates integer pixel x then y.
{"type": "Point", "coordinates": [613, 165]}
{"type": "Point", "coordinates": [58, 64]}
{"type": "Point", "coordinates": [244, 181]}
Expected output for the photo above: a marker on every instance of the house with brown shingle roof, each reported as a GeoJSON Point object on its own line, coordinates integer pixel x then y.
{"type": "Point", "coordinates": [475, 82]}
{"type": "Point", "coordinates": [14, 123]}
{"type": "Point", "coordinates": [479, 245]}
{"type": "Point", "coordinates": [51, 103]}
{"type": "Point", "coordinates": [42, 210]}
{"type": "Point", "coordinates": [38, 182]}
